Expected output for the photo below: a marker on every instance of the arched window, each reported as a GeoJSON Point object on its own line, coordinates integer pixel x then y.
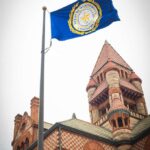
{"type": "Point", "coordinates": [120, 124]}
{"type": "Point", "coordinates": [122, 73]}
{"type": "Point", "coordinates": [26, 143]}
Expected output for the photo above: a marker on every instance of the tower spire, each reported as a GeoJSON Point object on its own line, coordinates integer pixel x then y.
{"type": "Point", "coordinates": [108, 54]}
{"type": "Point", "coordinates": [115, 94]}
{"type": "Point", "coordinates": [106, 42]}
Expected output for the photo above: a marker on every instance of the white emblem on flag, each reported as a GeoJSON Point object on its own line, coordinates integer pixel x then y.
{"type": "Point", "coordinates": [85, 18]}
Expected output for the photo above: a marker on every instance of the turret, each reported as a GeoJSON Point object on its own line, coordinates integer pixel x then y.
{"type": "Point", "coordinates": [118, 114]}
{"type": "Point", "coordinates": [137, 82]}
{"type": "Point", "coordinates": [91, 87]}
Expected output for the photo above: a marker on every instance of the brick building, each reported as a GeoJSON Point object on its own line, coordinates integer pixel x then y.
{"type": "Point", "coordinates": [118, 112]}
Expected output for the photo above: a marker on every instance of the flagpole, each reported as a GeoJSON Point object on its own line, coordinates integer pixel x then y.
{"type": "Point", "coordinates": [41, 105]}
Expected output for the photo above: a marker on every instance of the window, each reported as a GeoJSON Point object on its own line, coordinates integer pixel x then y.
{"type": "Point", "coordinates": [120, 124]}
{"type": "Point", "coordinates": [108, 106]}
{"type": "Point", "coordinates": [122, 73]}
{"type": "Point", "coordinates": [126, 74]}
{"type": "Point", "coordinates": [102, 111]}
{"type": "Point", "coordinates": [114, 123]}
{"type": "Point", "coordinates": [133, 107]}
{"type": "Point", "coordinates": [126, 121]}
{"type": "Point", "coordinates": [125, 103]}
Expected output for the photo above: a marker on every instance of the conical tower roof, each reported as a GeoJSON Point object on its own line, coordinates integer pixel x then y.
{"type": "Point", "coordinates": [109, 54]}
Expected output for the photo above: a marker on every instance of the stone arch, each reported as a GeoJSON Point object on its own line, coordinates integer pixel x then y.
{"type": "Point", "coordinates": [28, 138]}
{"type": "Point", "coordinates": [24, 141]}
{"type": "Point", "coordinates": [92, 145]}
{"type": "Point", "coordinates": [147, 144]}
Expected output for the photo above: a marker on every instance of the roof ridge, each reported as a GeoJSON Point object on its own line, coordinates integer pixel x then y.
{"type": "Point", "coordinates": [98, 127]}
{"type": "Point", "coordinates": [74, 119]}
{"type": "Point", "coordinates": [65, 120]}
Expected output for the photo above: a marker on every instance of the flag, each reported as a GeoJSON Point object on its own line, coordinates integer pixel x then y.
{"type": "Point", "coordinates": [81, 18]}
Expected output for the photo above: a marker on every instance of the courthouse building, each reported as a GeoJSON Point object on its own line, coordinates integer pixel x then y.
{"type": "Point", "coordinates": [117, 108]}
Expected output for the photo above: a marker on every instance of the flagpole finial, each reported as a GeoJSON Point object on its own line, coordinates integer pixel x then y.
{"type": "Point", "coordinates": [44, 7]}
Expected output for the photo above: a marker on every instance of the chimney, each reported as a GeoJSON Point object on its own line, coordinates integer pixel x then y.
{"type": "Point", "coordinates": [34, 109]}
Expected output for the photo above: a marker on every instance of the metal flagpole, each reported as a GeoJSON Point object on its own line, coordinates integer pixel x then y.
{"type": "Point", "coordinates": [41, 106]}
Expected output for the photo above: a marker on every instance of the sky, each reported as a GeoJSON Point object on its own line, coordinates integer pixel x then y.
{"type": "Point", "coordinates": [68, 64]}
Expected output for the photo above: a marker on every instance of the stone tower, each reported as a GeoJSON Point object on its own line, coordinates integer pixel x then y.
{"type": "Point", "coordinates": [115, 94]}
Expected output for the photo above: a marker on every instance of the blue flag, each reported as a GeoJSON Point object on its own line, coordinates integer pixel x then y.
{"type": "Point", "coordinates": [81, 18]}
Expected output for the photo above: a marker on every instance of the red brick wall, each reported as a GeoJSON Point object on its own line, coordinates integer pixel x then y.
{"type": "Point", "coordinates": [51, 142]}
{"type": "Point", "coordinates": [72, 141]}
{"type": "Point", "coordinates": [143, 144]}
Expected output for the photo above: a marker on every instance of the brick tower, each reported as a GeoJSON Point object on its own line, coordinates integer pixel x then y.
{"type": "Point", "coordinates": [115, 94]}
